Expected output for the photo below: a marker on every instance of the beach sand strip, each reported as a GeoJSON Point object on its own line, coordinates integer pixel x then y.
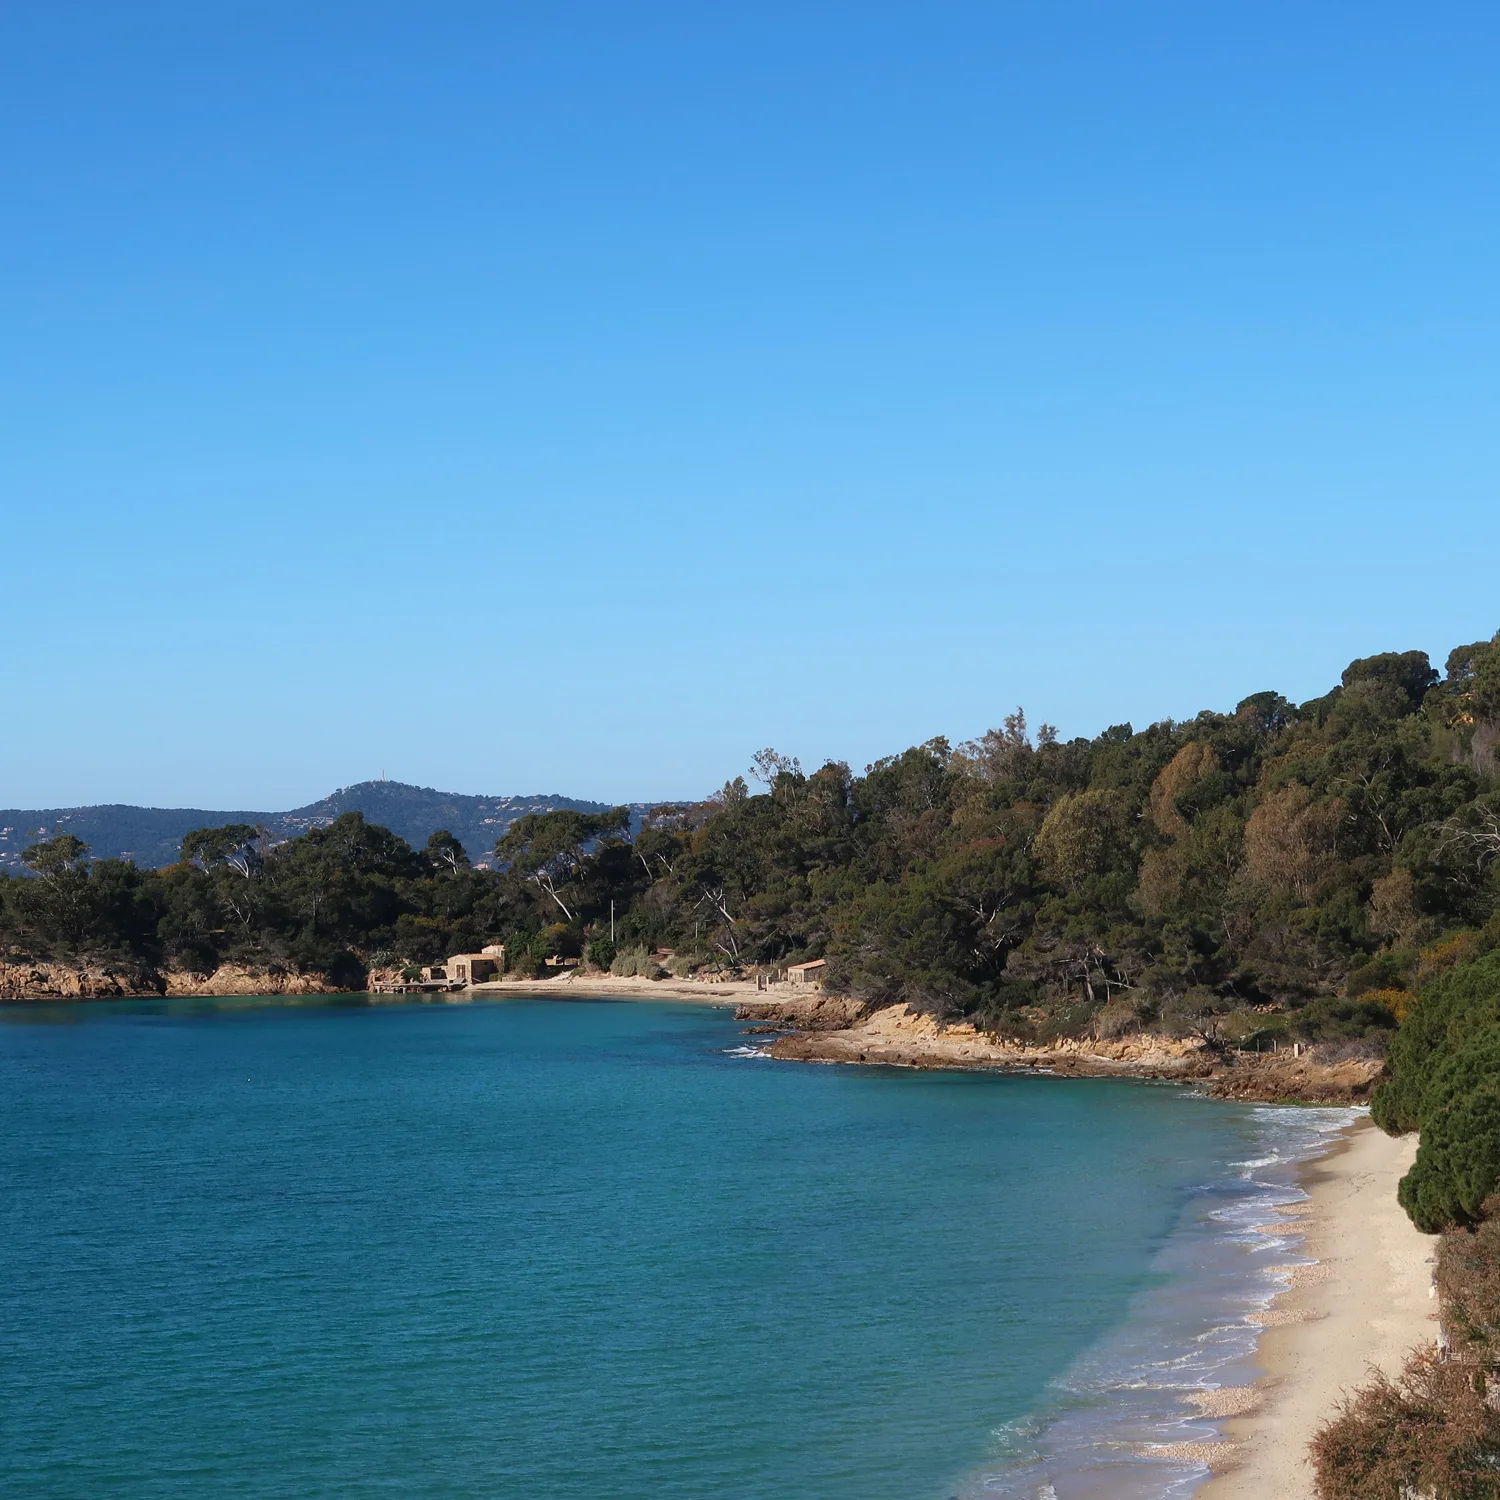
{"type": "Point", "coordinates": [1364, 1305]}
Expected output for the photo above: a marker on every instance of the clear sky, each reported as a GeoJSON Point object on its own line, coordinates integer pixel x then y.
{"type": "Point", "coordinates": [572, 397]}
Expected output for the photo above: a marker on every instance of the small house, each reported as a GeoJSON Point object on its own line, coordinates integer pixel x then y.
{"type": "Point", "coordinates": [472, 968]}
{"type": "Point", "coordinates": [809, 973]}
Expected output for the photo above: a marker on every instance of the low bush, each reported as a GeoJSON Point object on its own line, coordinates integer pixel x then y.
{"type": "Point", "coordinates": [1458, 1159]}
{"type": "Point", "coordinates": [1398, 1002]}
{"type": "Point", "coordinates": [1334, 1019]}
{"type": "Point", "coordinates": [1383, 972]}
{"type": "Point", "coordinates": [1065, 1024]}
{"type": "Point", "coordinates": [1429, 1433]}
{"type": "Point", "coordinates": [635, 963]}
{"type": "Point", "coordinates": [1121, 1017]}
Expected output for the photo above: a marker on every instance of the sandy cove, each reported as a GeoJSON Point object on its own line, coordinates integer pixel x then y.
{"type": "Point", "coordinates": [571, 983]}
{"type": "Point", "coordinates": [1365, 1304]}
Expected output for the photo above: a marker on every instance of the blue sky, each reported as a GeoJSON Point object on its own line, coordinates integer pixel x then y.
{"type": "Point", "coordinates": [579, 397]}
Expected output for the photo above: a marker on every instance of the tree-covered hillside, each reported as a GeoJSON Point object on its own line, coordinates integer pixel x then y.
{"type": "Point", "coordinates": [1279, 867]}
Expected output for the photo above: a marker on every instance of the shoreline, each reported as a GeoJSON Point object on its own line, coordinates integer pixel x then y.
{"type": "Point", "coordinates": [896, 1036]}
{"type": "Point", "coordinates": [812, 1027]}
{"type": "Point", "coordinates": [607, 986]}
{"type": "Point", "coordinates": [1362, 1301]}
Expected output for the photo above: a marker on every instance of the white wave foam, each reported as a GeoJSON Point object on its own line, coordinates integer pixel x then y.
{"type": "Point", "coordinates": [1194, 1332]}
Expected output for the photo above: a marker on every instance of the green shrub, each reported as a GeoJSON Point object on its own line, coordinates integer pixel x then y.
{"type": "Point", "coordinates": [1458, 1161]}
{"type": "Point", "coordinates": [1452, 1010]}
{"type": "Point", "coordinates": [600, 952]}
{"type": "Point", "coordinates": [1445, 1081]}
{"type": "Point", "coordinates": [522, 958]}
{"type": "Point", "coordinates": [1385, 971]}
{"type": "Point", "coordinates": [1066, 1023]}
{"type": "Point", "coordinates": [635, 963]}
{"type": "Point", "coordinates": [1333, 1019]}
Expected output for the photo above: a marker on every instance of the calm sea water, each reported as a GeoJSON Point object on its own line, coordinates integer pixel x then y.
{"type": "Point", "coordinates": [547, 1250]}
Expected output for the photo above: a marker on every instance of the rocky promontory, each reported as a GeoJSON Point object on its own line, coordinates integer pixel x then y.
{"type": "Point", "coordinates": [842, 1031]}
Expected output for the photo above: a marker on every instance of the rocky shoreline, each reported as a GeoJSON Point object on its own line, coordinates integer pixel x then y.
{"type": "Point", "coordinates": [45, 982]}
{"type": "Point", "coordinates": [836, 1031]}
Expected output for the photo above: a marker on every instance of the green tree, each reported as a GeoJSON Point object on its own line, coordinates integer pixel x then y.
{"type": "Point", "coordinates": [446, 853]}
{"type": "Point", "coordinates": [1081, 836]}
{"type": "Point", "coordinates": [56, 905]}
{"type": "Point", "coordinates": [548, 849]}
{"type": "Point", "coordinates": [233, 846]}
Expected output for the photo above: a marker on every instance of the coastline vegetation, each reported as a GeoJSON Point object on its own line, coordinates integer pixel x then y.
{"type": "Point", "coordinates": [1279, 873]}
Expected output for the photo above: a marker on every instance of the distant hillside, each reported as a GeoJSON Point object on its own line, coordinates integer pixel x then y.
{"type": "Point", "coordinates": [151, 835]}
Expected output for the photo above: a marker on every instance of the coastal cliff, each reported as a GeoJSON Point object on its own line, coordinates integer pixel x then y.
{"type": "Point", "coordinates": [897, 1036]}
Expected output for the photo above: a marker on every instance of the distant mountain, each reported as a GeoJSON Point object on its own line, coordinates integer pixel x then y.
{"type": "Point", "coordinates": [152, 836]}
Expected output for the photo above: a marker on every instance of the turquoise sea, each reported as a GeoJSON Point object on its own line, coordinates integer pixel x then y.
{"type": "Point", "coordinates": [600, 1251]}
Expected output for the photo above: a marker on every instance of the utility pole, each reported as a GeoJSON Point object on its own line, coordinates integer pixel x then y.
{"type": "Point", "coordinates": [611, 919]}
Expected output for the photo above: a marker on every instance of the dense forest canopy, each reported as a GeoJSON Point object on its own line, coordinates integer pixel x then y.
{"type": "Point", "coordinates": [1281, 866]}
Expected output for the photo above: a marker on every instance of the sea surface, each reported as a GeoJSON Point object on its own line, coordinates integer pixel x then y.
{"type": "Point", "coordinates": [602, 1251]}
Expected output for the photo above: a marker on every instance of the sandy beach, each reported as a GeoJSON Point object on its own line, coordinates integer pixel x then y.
{"type": "Point", "coordinates": [1365, 1304]}
{"type": "Point", "coordinates": [613, 987]}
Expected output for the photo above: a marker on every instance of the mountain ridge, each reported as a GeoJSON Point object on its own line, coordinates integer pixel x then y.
{"type": "Point", "coordinates": [152, 836]}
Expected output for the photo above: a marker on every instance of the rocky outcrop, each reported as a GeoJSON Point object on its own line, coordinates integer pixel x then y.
{"type": "Point", "coordinates": [897, 1036]}
{"type": "Point", "coordinates": [235, 979]}
{"type": "Point", "coordinates": [101, 981]}
{"type": "Point", "coordinates": [805, 1012]}
{"type": "Point", "coordinates": [76, 981]}
{"type": "Point", "coordinates": [1283, 1079]}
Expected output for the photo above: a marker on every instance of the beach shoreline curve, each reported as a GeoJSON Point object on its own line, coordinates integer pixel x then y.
{"type": "Point", "coordinates": [1362, 1301]}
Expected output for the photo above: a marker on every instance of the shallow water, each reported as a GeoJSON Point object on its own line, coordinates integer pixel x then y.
{"type": "Point", "coordinates": [542, 1249]}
